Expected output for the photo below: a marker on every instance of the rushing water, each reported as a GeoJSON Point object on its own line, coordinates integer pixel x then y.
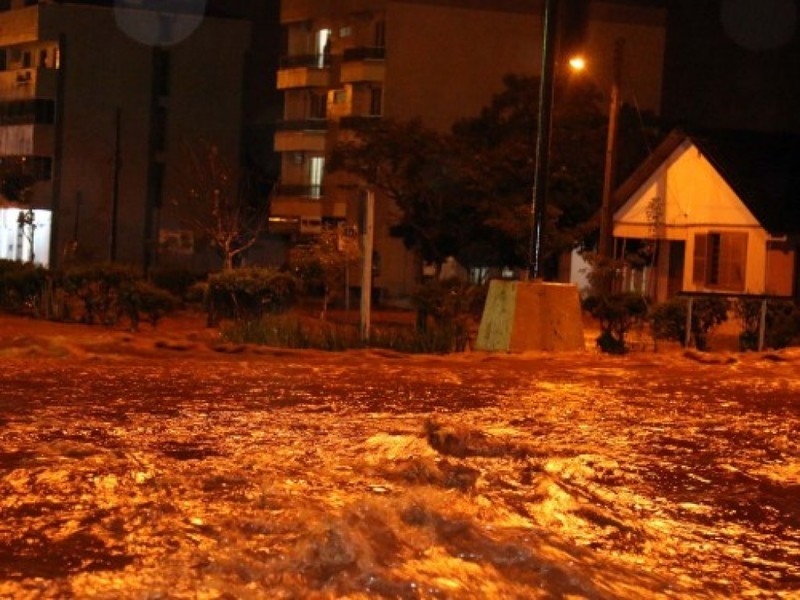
{"type": "Point", "coordinates": [358, 475]}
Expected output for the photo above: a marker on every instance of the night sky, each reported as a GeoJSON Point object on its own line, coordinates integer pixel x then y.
{"type": "Point", "coordinates": [733, 64]}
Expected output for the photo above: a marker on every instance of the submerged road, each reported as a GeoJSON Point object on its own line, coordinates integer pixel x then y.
{"type": "Point", "coordinates": [292, 474]}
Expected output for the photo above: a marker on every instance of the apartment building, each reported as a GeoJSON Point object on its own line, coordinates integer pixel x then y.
{"type": "Point", "coordinates": [437, 60]}
{"type": "Point", "coordinates": [99, 102]}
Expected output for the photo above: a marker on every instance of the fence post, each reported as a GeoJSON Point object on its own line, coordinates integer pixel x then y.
{"type": "Point", "coordinates": [762, 325]}
{"type": "Point", "coordinates": [688, 323]}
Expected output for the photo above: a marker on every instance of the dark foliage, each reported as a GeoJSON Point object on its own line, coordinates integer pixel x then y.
{"type": "Point", "coordinates": [248, 294]}
{"type": "Point", "coordinates": [782, 321]}
{"type": "Point", "coordinates": [617, 314]}
{"type": "Point", "coordinates": [669, 319]}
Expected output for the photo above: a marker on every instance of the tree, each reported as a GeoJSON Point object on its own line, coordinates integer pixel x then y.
{"type": "Point", "coordinates": [324, 264]}
{"type": "Point", "coordinates": [219, 205]}
{"type": "Point", "coordinates": [499, 175]}
{"type": "Point", "coordinates": [468, 194]}
{"type": "Point", "coordinates": [413, 167]}
{"type": "Point", "coordinates": [16, 181]}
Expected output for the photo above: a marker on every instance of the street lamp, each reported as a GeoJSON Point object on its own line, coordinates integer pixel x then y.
{"type": "Point", "coordinates": [542, 156]}
{"type": "Point", "coordinates": [605, 239]}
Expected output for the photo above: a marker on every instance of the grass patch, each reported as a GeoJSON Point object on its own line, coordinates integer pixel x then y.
{"type": "Point", "coordinates": [292, 331]}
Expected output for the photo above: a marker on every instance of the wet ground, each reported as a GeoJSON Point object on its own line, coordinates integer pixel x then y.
{"type": "Point", "coordinates": [138, 467]}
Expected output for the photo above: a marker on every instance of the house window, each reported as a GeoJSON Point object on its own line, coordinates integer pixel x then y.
{"type": "Point", "coordinates": [720, 260]}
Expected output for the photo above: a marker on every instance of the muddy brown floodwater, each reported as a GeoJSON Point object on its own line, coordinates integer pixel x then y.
{"type": "Point", "coordinates": [173, 473]}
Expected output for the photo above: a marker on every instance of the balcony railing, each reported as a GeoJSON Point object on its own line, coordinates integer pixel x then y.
{"type": "Point", "coordinates": [364, 53]}
{"type": "Point", "coordinates": [300, 191]}
{"type": "Point", "coordinates": [311, 61]}
{"type": "Point", "coordinates": [28, 83]}
{"type": "Point", "coordinates": [302, 125]}
{"type": "Point", "coordinates": [358, 121]}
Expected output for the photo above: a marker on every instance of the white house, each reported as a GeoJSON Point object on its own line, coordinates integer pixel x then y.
{"type": "Point", "coordinates": [719, 212]}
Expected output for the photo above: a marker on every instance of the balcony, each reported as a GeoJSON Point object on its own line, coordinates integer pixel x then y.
{"type": "Point", "coordinates": [307, 135]}
{"type": "Point", "coordinates": [300, 191]}
{"type": "Point", "coordinates": [301, 10]}
{"type": "Point", "coordinates": [358, 122]}
{"type": "Point", "coordinates": [21, 84]}
{"type": "Point", "coordinates": [27, 140]}
{"type": "Point", "coordinates": [363, 64]}
{"type": "Point", "coordinates": [20, 26]}
{"type": "Point", "coordinates": [304, 71]}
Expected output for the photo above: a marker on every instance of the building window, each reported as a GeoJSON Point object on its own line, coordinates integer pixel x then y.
{"type": "Point", "coordinates": [322, 47]}
{"type": "Point", "coordinates": [316, 169]}
{"type": "Point", "coordinates": [376, 101]}
{"type": "Point", "coordinates": [380, 34]}
{"type": "Point", "coordinates": [318, 105]}
{"type": "Point", "coordinates": [720, 260]}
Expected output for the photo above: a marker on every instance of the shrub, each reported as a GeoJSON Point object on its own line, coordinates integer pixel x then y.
{"type": "Point", "coordinates": [248, 294]}
{"type": "Point", "coordinates": [453, 306]}
{"type": "Point", "coordinates": [97, 287]}
{"type": "Point", "coordinates": [176, 280]}
{"type": "Point", "coordinates": [617, 314]}
{"type": "Point", "coordinates": [782, 323]}
{"type": "Point", "coordinates": [669, 319]}
{"type": "Point", "coordinates": [142, 299]}
{"type": "Point", "coordinates": [21, 286]}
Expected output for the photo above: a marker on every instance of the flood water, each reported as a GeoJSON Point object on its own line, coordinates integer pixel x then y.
{"type": "Point", "coordinates": [311, 475]}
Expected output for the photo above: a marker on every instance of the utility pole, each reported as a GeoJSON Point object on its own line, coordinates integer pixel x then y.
{"type": "Point", "coordinates": [604, 247]}
{"type": "Point", "coordinates": [367, 222]}
{"type": "Point", "coordinates": [112, 236]}
{"type": "Point", "coordinates": [544, 118]}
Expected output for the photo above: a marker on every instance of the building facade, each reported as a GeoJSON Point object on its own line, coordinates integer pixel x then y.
{"type": "Point", "coordinates": [100, 121]}
{"type": "Point", "coordinates": [435, 60]}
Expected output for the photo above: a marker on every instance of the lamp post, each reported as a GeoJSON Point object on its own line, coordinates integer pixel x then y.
{"type": "Point", "coordinates": [543, 118]}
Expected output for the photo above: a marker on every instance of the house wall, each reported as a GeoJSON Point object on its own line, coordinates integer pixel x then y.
{"type": "Point", "coordinates": [696, 200]}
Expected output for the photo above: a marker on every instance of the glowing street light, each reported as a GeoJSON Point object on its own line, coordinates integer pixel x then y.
{"type": "Point", "coordinates": [577, 63]}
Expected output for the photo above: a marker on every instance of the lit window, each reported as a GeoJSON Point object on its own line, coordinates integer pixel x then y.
{"type": "Point", "coordinates": [316, 169]}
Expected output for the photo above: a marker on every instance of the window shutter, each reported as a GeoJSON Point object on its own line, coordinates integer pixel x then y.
{"type": "Point", "coordinates": [700, 259]}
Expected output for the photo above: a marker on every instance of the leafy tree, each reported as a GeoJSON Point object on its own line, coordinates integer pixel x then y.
{"type": "Point", "coordinates": [219, 205]}
{"type": "Point", "coordinates": [499, 175]}
{"type": "Point", "coordinates": [324, 263]}
{"type": "Point", "coordinates": [468, 194]}
{"type": "Point", "coordinates": [16, 181]}
{"type": "Point", "coordinates": [414, 167]}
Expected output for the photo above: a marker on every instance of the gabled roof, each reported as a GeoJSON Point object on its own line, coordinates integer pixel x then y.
{"type": "Point", "coordinates": [762, 168]}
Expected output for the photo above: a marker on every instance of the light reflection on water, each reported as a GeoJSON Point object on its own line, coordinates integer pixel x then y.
{"type": "Point", "coordinates": [417, 480]}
